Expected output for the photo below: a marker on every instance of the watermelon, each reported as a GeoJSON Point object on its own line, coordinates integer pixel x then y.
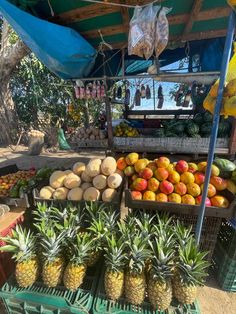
{"type": "Point", "coordinates": [198, 118]}
{"type": "Point", "coordinates": [223, 129]}
{"type": "Point", "coordinates": [159, 133]}
{"type": "Point", "coordinates": [179, 127]}
{"type": "Point", "coordinates": [192, 128]}
{"type": "Point", "coordinates": [207, 116]}
{"type": "Point", "coordinates": [224, 164]}
{"type": "Point", "coordinates": [196, 136]}
{"type": "Point", "coordinates": [205, 129]}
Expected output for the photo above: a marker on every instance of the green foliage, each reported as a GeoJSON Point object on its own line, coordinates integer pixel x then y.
{"type": "Point", "coordinates": [35, 89]}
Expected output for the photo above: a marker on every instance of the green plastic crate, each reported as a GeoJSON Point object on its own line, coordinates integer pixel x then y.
{"type": "Point", "coordinates": [225, 269]}
{"type": "Point", "coordinates": [40, 299]}
{"type": "Point", "coordinates": [102, 305]}
{"type": "Point", "coordinates": [227, 238]}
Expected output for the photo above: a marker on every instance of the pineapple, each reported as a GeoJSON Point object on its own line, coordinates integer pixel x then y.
{"type": "Point", "coordinates": [135, 280]}
{"type": "Point", "coordinates": [76, 268]}
{"type": "Point", "coordinates": [190, 273]}
{"type": "Point", "coordinates": [23, 245]}
{"type": "Point", "coordinates": [115, 263]}
{"type": "Point", "coordinates": [51, 249]}
{"type": "Point", "coordinates": [98, 231]}
{"type": "Point", "coordinates": [159, 283]}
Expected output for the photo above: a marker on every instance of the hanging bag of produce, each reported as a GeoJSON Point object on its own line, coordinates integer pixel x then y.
{"type": "Point", "coordinates": [142, 30]}
{"type": "Point", "coordinates": [143, 91]}
{"type": "Point", "coordinates": [137, 98]}
{"type": "Point", "coordinates": [162, 31]}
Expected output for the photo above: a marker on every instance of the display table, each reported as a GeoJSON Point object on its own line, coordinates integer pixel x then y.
{"type": "Point", "coordinates": [7, 223]}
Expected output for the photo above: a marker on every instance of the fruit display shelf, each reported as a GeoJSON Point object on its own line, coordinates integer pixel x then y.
{"type": "Point", "coordinates": [115, 203]}
{"type": "Point", "coordinates": [24, 201]}
{"type": "Point", "coordinates": [175, 208]}
{"type": "Point", "coordinates": [169, 145]}
{"type": "Point", "coordinates": [102, 305]}
{"type": "Point", "coordinates": [41, 299]}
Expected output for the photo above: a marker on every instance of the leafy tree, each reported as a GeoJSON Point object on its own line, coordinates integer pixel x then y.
{"type": "Point", "coordinates": [12, 51]}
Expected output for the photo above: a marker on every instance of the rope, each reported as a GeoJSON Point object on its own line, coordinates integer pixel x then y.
{"type": "Point", "coordinates": [121, 4]}
{"type": "Point", "coordinates": [51, 9]}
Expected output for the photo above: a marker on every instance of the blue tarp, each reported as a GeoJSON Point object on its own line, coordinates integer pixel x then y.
{"type": "Point", "coordinates": [64, 51]}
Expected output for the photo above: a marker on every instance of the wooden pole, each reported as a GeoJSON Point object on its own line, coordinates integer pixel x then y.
{"type": "Point", "coordinates": [109, 118]}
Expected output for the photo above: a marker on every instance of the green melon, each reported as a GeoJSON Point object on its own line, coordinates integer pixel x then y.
{"type": "Point", "coordinates": [198, 118]}
{"type": "Point", "coordinates": [192, 128]}
{"type": "Point", "coordinates": [205, 129]}
{"type": "Point", "coordinates": [207, 116]}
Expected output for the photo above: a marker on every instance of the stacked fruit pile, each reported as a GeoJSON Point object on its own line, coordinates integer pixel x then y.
{"type": "Point", "coordinates": [143, 255]}
{"type": "Point", "coordinates": [125, 130]}
{"type": "Point", "coordinates": [19, 178]}
{"type": "Point", "coordinates": [98, 179]}
{"type": "Point", "coordinates": [90, 133]}
{"type": "Point", "coordinates": [199, 126]}
{"type": "Point", "coordinates": [179, 182]}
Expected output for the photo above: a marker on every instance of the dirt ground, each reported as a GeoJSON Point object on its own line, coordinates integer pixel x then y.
{"type": "Point", "coordinates": [211, 298]}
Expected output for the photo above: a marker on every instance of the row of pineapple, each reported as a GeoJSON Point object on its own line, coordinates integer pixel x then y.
{"type": "Point", "coordinates": [144, 255]}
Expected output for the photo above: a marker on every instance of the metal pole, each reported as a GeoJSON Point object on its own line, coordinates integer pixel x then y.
{"type": "Point", "coordinates": [154, 94]}
{"type": "Point", "coordinates": [216, 118]}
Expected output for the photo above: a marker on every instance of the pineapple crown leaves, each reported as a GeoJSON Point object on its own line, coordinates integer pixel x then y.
{"type": "Point", "coordinates": [191, 264]}
{"type": "Point", "coordinates": [163, 255]}
{"type": "Point", "coordinates": [22, 243]}
{"type": "Point", "coordinates": [163, 228]}
{"type": "Point", "coordinates": [145, 223]}
{"type": "Point", "coordinates": [115, 257]}
{"type": "Point", "coordinates": [70, 221]}
{"type": "Point", "coordinates": [81, 248]}
{"type": "Point", "coordinates": [138, 253]}
{"type": "Point", "coordinates": [182, 234]}
{"type": "Point", "coordinates": [93, 210]}
{"type": "Point", "coordinates": [110, 220]}
{"type": "Point", "coordinates": [42, 212]}
{"type": "Point", "coordinates": [51, 243]}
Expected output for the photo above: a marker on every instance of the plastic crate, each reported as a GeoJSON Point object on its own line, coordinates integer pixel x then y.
{"type": "Point", "coordinates": [25, 201]}
{"type": "Point", "coordinates": [225, 268]}
{"type": "Point", "coordinates": [40, 299]}
{"type": "Point", "coordinates": [227, 237]}
{"type": "Point", "coordinates": [102, 305]}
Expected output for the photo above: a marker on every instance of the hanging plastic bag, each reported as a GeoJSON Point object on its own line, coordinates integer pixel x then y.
{"type": "Point", "coordinates": [142, 30]}
{"type": "Point", "coordinates": [162, 31]}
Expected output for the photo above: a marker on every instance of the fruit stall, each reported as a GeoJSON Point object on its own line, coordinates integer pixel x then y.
{"type": "Point", "coordinates": [75, 254]}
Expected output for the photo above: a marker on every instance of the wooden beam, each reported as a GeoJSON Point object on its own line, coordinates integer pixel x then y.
{"type": "Point", "coordinates": [106, 31]}
{"type": "Point", "coordinates": [125, 17]}
{"type": "Point", "coordinates": [95, 10]}
{"type": "Point", "coordinates": [192, 16]}
{"type": "Point", "coordinates": [188, 37]}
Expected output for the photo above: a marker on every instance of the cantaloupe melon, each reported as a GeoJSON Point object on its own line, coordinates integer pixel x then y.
{"type": "Point", "coordinates": [100, 182]}
{"type": "Point", "coordinates": [72, 181]}
{"type": "Point", "coordinates": [46, 192]}
{"type": "Point", "coordinates": [93, 168]}
{"type": "Point", "coordinates": [91, 194]}
{"type": "Point", "coordinates": [85, 177]}
{"type": "Point", "coordinates": [56, 179]}
{"type": "Point", "coordinates": [85, 186]}
{"type": "Point", "coordinates": [114, 181]}
{"type": "Point", "coordinates": [75, 194]}
{"type": "Point", "coordinates": [78, 167]}
{"type": "Point", "coordinates": [108, 195]}
{"type": "Point", "coordinates": [60, 193]}
{"type": "Point", "coordinates": [108, 166]}
{"type": "Point", "coordinates": [68, 172]}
